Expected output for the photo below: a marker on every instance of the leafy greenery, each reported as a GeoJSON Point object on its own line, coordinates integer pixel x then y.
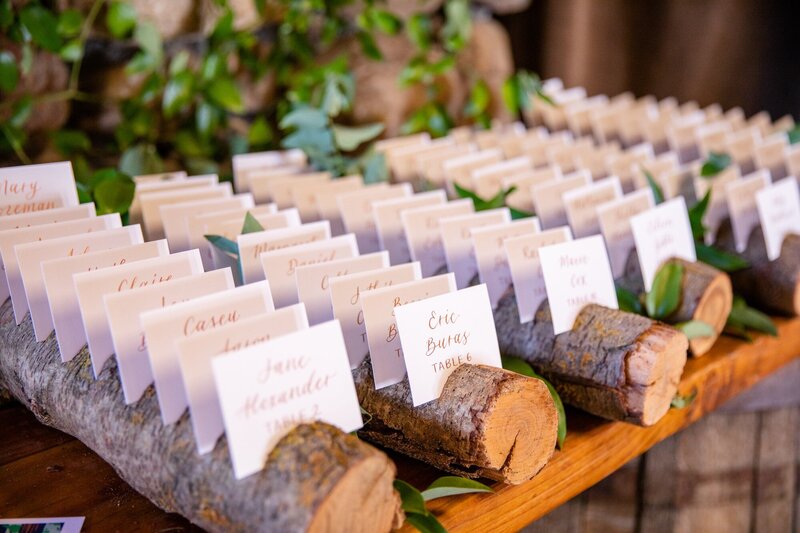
{"type": "Point", "coordinates": [658, 194]}
{"type": "Point", "coordinates": [681, 402]}
{"type": "Point", "coordinates": [714, 164]}
{"type": "Point", "coordinates": [413, 501]}
{"type": "Point", "coordinates": [794, 135]}
{"type": "Point", "coordinates": [497, 201]}
{"type": "Point", "coordinates": [694, 329]}
{"type": "Point", "coordinates": [711, 255]}
{"type": "Point", "coordinates": [628, 301]}
{"type": "Point", "coordinates": [665, 294]}
{"type": "Point", "coordinates": [743, 318]}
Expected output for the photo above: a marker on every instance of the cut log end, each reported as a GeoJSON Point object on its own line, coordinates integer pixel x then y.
{"type": "Point", "coordinates": [712, 291]}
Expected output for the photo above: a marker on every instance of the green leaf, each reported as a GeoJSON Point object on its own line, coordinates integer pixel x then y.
{"type": "Point", "coordinates": [213, 67]}
{"type": "Point", "coordinates": [206, 119]}
{"type": "Point", "coordinates": [114, 196]}
{"type": "Point", "coordinates": [716, 163]}
{"type": "Point", "coordinates": [6, 15]}
{"type": "Point", "coordinates": [628, 301]}
{"type": "Point", "coordinates": [749, 318]}
{"type": "Point", "coordinates": [9, 73]}
{"type": "Point", "coordinates": [320, 140]}
{"type": "Point", "coordinates": [42, 25]}
{"type": "Point", "coordinates": [680, 402]}
{"type": "Point", "coordinates": [419, 29]}
{"type": "Point", "coordinates": [725, 261]}
{"type": "Point", "coordinates": [386, 22]}
{"type": "Point", "coordinates": [120, 19]}
{"type": "Point", "coordinates": [21, 111]}
{"type": "Point", "coordinates": [349, 138]}
{"type": "Point", "coordinates": [141, 159]}
{"type": "Point", "coordinates": [658, 194]}
{"type": "Point", "coordinates": [374, 168]}
{"type": "Point", "coordinates": [425, 523]}
{"type": "Point", "coordinates": [225, 93]}
{"type": "Point", "coordinates": [251, 225]}
{"type": "Point", "coordinates": [665, 295]}
{"type": "Point", "coordinates": [794, 135]}
{"type": "Point", "coordinates": [411, 499]}
{"type": "Point", "coordinates": [517, 365]}
{"type": "Point", "coordinates": [368, 46]}
{"type": "Point", "coordinates": [149, 40]}
{"type": "Point", "coordinates": [458, 25]}
{"type": "Point", "coordinates": [179, 63]}
{"type": "Point", "coordinates": [69, 23]}
{"type": "Point", "coordinates": [178, 93]}
{"type": "Point", "coordinates": [517, 214]}
{"type": "Point", "coordinates": [259, 133]}
{"type": "Point", "coordinates": [26, 63]}
{"type": "Point", "coordinates": [223, 243]}
{"type": "Point", "coordinates": [696, 214]}
{"type": "Point", "coordinates": [694, 329]}
{"type": "Point", "coordinates": [72, 51]}
{"type": "Point", "coordinates": [84, 195]}
{"type": "Point", "coordinates": [68, 142]}
{"type": "Point", "coordinates": [453, 486]}
{"type": "Point", "coordinates": [224, 26]}
{"type": "Point", "coordinates": [478, 99]}
{"type": "Point", "coordinates": [304, 117]}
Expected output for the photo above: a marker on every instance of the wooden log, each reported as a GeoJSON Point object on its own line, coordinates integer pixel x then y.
{"type": "Point", "coordinates": [488, 422]}
{"type": "Point", "coordinates": [769, 285]}
{"type": "Point", "coordinates": [613, 364]}
{"type": "Point", "coordinates": [316, 479]}
{"type": "Point", "coordinates": [706, 295]}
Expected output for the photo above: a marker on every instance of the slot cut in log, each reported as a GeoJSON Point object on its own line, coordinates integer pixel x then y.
{"type": "Point", "coordinates": [706, 295]}
{"type": "Point", "coordinates": [488, 422]}
{"type": "Point", "coordinates": [613, 364]}
{"type": "Point", "coordinates": [317, 478]}
{"type": "Point", "coordinates": [768, 285]}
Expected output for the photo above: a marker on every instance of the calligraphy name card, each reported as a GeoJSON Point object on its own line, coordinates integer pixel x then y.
{"type": "Point", "coordinates": [421, 228]}
{"type": "Point", "coordinates": [326, 205]}
{"type": "Point", "coordinates": [29, 188]}
{"type": "Point", "coordinates": [355, 211]}
{"type": "Point", "coordinates": [305, 196]}
{"type": "Point", "coordinates": [779, 212]}
{"type": "Point", "coordinates": [615, 224]}
{"type": "Point", "coordinates": [174, 217]}
{"type": "Point", "coordinates": [741, 198]}
{"type": "Point", "coordinates": [243, 164]}
{"type": "Point", "coordinates": [581, 205]}
{"type": "Point", "coordinates": [153, 201]}
{"type": "Point", "coordinates": [456, 235]}
{"type": "Point", "coordinates": [547, 198]}
{"type": "Point", "coordinates": [195, 182]}
{"type": "Point", "coordinates": [389, 223]}
{"type": "Point", "coordinates": [280, 189]}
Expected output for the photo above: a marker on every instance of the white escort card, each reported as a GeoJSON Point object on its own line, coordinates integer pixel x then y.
{"type": "Point", "coordinates": [421, 228]}
{"type": "Point", "coordinates": [355, 211]}
{"type": "Point", "coordinates": [163, 327]}
{"type": "Point", "coordinates": [153, 201]}
{"type": "Point", "coordinates": [779, 212]}
{"type": "Point", "coordinates": [195, 182]}
{"type": "Point", "coordinates": [547, 198]}
{"type": "Point", "coordinates": [91, 287]}
{"type": "Point", "coordinates": [521, 197]}
{"type": "Point", "coordinates": [305, 196]}
{"type": "Point", "coordinates": [195, 354]}
{"type": "Point", "coordinates": [268, 389]}
{"type": "Point", "coordinates": [252, 245]}
{"type": "Point", "coordinates": [280, 189]}
{"type": "Point", "coordinates": [29, 188]}
{"type": "Point", "coordinates": [346, 294]}
{"type": "Point", "coordinates": [526, 268]}
{"type": "Point", "coordinates": [581, 205]}
{"type": "Point", "coordinates": [457, 239]}
{"type": "Point", "coordinates": [488, 181]}
{"type": "Point", "coordinates": [662, 233]}
{"type": "Point", "coordinates": [389, 223]}
{"type": "Point", "coordinates": [378, 306]}
{"type": "Point", "coordinates": [244, 164]}
{"type": "Point", "coordinates": [12, 237]}
{"type": "Point", "coordinates": [30, 257]}
{"type": "Point", "coordinates": [441, 333]}
{"type": "Point", "coordinates": [124, 309]}
{"type": "Point", "coordinates": [742, 208]}
{"type": "Point", "coordinates": [175, 217]}
{"type": "Point", "coordinates": [491, 254]}
{"type": "Point", "coordinates": [615, 224]}
{"type": "Point", "coordinates": [196, 227]}
{"type": "Point", "coordinates": [576, 273]}
{"type": "Point", "coordinates": [313, 282]}
{"type": "Point", "coordinates": [63, 298]}
{"type": "Point", "coordinates": [280, 265]}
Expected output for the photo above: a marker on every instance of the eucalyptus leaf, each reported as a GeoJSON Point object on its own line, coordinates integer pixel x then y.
{"type": "Point", "coordinates": [658, 194]}
{"type": "Point", "coordinates": [223, 243]}
{"type": "Point", "coordinates": [628, 301]}
{"type": "Point", "coordinates": [42, 25]}
{"type": "Point", "coordinates": [304, 117]}
{"type": "Point", "coordinates": [411, 499]}
{"type": "Point", "coordinates": [714, 164]}
{"type": "Point", "coordinates": [695, 329]}
{"type": "Point", "coordinates": [374, 167]}
{"type": "Point", "coordinates": [251, 225]}
{"type": "Point", "coordinates": [349, 138]}
{"type": "Point", "coordinates": [725, 261]}
{"type": "Point", "coordinates": [9, 73]}
{"type": "Point", "coordinates": [425, 523]}
{"type": "Point", "coordinates": [665, 295]}
{"type": "Point", "coordinates": [453, 486]}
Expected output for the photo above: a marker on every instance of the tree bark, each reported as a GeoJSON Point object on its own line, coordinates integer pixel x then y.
{"type": "Point", "coordinates": [613, 364]}
{"type": "Point", "coordinates": [316, 479]}
{"type": "Point", "coordinates": [706, 295]}
{"type": "Point", "coordinates": [769, 285]}
{"type": "Point", "coordinates": [488, 422]}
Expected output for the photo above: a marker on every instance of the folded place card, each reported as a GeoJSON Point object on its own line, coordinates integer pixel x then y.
{"type": "Point", "coordinates": [164, 327]}
{"type": "Point", "coordinates": [576, 273]}
{"type": "Point", "coordinates": [29, 188]}
{"type": "Point", "coordinates": [458, 170]}
{"type": "Point", "coordinates": [523, 182]}
{"type": "Point", "coordinates": [313, 282]}
{"type": "Point", "coordinates": [63, 298]}
{"type": "Point", "coordinates": [421, 228]}
{"type": "Point", "coordinates": [457, 239]}
{"type": "Point", "coordinates": [280, 265]}
{"type": "Point", "coordinates": [346, 294]}
{"type": "Point", "coordinates": [378, 306]}
{"type": "Point", "coordinates": [260, 180]}
{"type": "Point", "coordinates": [196, 227]}
{"type": "Point", "coordinates": [280, 189]}
{"type": "Point", "coordinates": [177, 175]}
{"type": "Point", "coordinates": [30, 257]}
{"type": "Point", "coordinates": [660, 234]}
{"type": "Point", "coordinates": [304, 195]}
{"type": "Point", "coordinates": [526, 269]}
{"type": "Point", "coordinates": [390, 225]}
{"type": "Point", "coordinates": [581, 205]}
{"type": "Point", "coordinates": [441, 333]}
{"type": "Point", "coordinates": [491, 254]}
{"type": "Point", "coordinates": [174, 217]}
{"type": "Point", "coordinates": [355, 210]}
{"type": "Point", "coordinates": [124, 309]}
{"type": "Point", "coordinates": [268, 389]}
{"type": "Point", "coordinates": [327, 207]}
{"type": "Point", "coordinates": [195, 354]}
{"type": "Point", "coordinates": [769, 154]}
{"type": "Point", "coordinates": [742, 208]}
{"type": "Point", "coordinates": [195, 182]}
{"type": "Point", "coordinates": [615, 224]}
{"type": "Point", "coordinates": [243, 164]}
{"type": "Point", "coordinates": [717, 209]}
{"type": "Point", "coordinates": [92, 287]}
{"type": "Point", "coordinates": [779, 212]}
{"type": "Point", "coordinates": [547, 198]}
{"type": "Point", "coordinates": [252, 245]}
{"type": "Point", "coordinates": [487, 181]}
{"type": "Point", "coordinates": [153, 201]}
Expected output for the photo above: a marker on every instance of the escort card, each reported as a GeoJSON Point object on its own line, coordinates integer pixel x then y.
{"type": "Point", "coordinates": [163, 327]}
{"type": "Point", "coordinates": [260, 180]}
{"type": "Point", "coordinates": [526, 270]}
{"type": "Point", "coordinates": [389, 224]}
{"type": "Point", "coordinates": [421, 228]}
{"type": "Point", "coordinates": [615, 224]}
{"type": "Point", "coordinates": [769, 154]}
{"type": "Point", "coordinates": [243, 164]}
{"type": "Point", "coordinates": [30, 257]}
{"type": "Point", "coordinates": [576, 273]}
{"type": "Point", "coordinates": [385, 350]}
{"type": "Point", "coordinates": [581, 205]}
{"type": "Point", "coordinates": [280, 265]}
{"type": "Point", "coordinates": [660, 234]}
{"type": "Point", "coordinates": [458, 170]}
{"type": "Point", "coordinates": [355, 210]}
{"type": "Point", "coordinates": [91, 287]}
{"type": "Point", "coordinates": [346, 294]}
{"type": "Point", "coordinates": [267, 390]}
{"type": "Point", "coordinates": [196, 352]}
{"type": "Point", "coordinates": [717, 209]}
{"type": "Point", "coordinates": [305, 196]}
{"type": "Point", "coordinates": [29, 188]}
{"type": "Point", "coordinates": [280, 189]}
{"type": "Point", "coordinates": [487, 181]}
{"type": "Point", "coordinates": [524, 181]}
{"type": "Point", "coordinates": [252, 245]}
{"type": "Point", "coordinates": [779, 212]}
{"type": "Point", "coordinates": [547, 197]}
{"type": "Point", "coordinates": [174, 217]}
{"type": "Point", "coordinates": [124, 309]}
{"type": "Point", "coordinates": [313, 282]}
{"type": "Point", "coordinates": [152, 202]}
{"type": "Point", "coordinates": [490, 253]}
{"type": "Point", "coordinates": [63, 298]}
{"type": "Point", "coordinates": [439, 334]}
{"type": "Point", "coordinates": [195, 182]}
{"type": "Point", "coordinates": [457, 239]}
{"type": "Point", "coordinates": [177, 175]}
{"type": "Point", "coordinates": [741, 198]}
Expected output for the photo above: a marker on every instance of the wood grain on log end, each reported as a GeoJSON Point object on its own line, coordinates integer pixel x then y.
{"type": "Point", "coordinates": [488, 422]}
